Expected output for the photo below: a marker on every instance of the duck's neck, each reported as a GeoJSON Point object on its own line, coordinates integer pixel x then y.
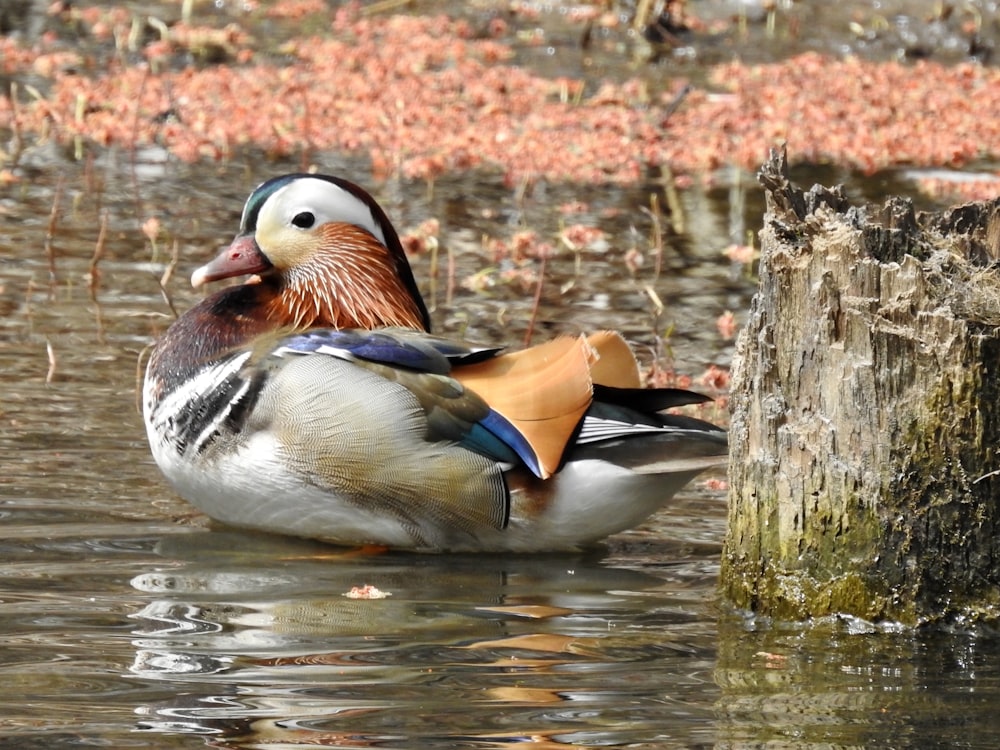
{"type": "Point", "coordinates": [352, 280]}
{"type": "Point", "coordinates": [366, 295]}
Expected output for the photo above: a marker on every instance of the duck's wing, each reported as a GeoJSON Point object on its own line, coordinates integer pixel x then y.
{"type": "Point", "coordinates": [374, 418]}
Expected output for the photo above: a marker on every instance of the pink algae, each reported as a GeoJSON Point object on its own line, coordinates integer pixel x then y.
{"type": "Point", "coordinates": [421, 97]}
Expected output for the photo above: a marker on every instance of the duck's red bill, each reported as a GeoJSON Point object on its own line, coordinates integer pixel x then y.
{"type": "Point", "coordinates": [241, 258]}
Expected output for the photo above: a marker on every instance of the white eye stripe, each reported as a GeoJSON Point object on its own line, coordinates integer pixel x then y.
{"type": "Point", "coordinates": [326, 201]}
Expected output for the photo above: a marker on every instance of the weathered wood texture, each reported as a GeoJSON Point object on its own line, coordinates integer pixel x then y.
{"type": "Point", "coordinates": [866, 413]}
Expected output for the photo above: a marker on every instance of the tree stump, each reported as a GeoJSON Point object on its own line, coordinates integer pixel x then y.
{"type": "Point", "coordinates": [865, 437]}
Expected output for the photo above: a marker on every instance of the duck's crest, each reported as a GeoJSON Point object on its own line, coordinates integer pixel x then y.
{"type": "Point", "coordinates": [251, 210]}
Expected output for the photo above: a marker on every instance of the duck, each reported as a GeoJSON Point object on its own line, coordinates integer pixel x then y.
{"type": "Point", "coordinates": [313, 400]}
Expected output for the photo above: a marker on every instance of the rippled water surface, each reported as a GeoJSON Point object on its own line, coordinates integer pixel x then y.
{"type": "Point", "coordinates": [126, 620]}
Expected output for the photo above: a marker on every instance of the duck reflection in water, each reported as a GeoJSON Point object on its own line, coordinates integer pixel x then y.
{"type": "Point", "coordinates": [258, 639]}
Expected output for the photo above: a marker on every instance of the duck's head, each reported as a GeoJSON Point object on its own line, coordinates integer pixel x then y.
{"type": "Point", "coordinates": [330, 252]}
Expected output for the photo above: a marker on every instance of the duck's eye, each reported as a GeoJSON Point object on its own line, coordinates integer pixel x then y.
{"type": "Point", "coordinates": [303, 220]}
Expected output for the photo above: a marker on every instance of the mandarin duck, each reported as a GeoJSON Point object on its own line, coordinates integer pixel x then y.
{"type": "Point", "coordinates": [312, 400]}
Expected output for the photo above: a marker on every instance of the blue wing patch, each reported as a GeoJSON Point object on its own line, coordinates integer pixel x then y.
{"type": "Point", "coordinates": [504, 439]}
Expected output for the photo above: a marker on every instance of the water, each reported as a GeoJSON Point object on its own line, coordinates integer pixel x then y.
{"type": "Point", "coordinates": [469, 651]}
{"type": "Point", "coordinates": [125, 625]}
{"type": "Point", "coordinates": [127, 620]}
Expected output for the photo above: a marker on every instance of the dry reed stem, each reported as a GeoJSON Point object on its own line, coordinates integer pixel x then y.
{"type": "Point", "coordinates": [168, 273]}
{"type": "Point", "coordinates": [432, 274]}
{"type": "Point", "coordinates": [53, 362]}
{"type": "Point", "coordinates": [50, 232]}
{"type": "Point", "coordinates": [643, 12]}
{"type": "Point", "coordinates": [382, 6]}
{"type": "Point", "coordinates": [536, 303]}
{"type": "Point", "coordinates": [654, 298]}
{"type": "Point", "coordinates": [656, 233]}
{"type": "Point", "coordinates": [676, 102]}
{"type": "Point", "coordinates": [674, 205]}
{"type": "Point", "coordinates": [16, 139]}
{"type": "Point", "coordinates": [449, 292]}
{"type": "Point", "coordinates": [94, 274]}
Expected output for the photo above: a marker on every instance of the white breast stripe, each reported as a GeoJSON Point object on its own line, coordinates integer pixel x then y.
{"type": "Point", "coordinates": [193, 399]}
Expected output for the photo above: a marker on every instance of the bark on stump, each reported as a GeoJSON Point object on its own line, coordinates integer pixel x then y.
{"type": "Point", "coordinates": [865, 458]}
